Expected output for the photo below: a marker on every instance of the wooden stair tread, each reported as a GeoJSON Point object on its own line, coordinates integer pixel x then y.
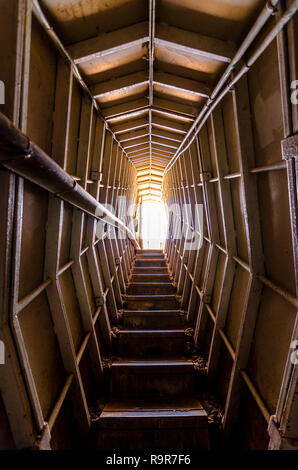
{"type": "Point", "coordinates": [185, 403]}
{"type": "Point", "coordinates": [152, 312]}
{"type": "Point", "coordinates": [142, 364]}
{"type": "Point", "coordinates": [150, 296]}
{"type": "Point", "coordinates": [153, 332]}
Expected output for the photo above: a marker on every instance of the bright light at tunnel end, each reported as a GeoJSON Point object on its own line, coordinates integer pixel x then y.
{"type": "Point", "coordinates": [167, 221]}
{"type": "Point", "coordinates": [153, 224]}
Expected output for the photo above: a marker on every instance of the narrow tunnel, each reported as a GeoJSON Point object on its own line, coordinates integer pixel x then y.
{"type": "Point", "coordinates": [148, 208]}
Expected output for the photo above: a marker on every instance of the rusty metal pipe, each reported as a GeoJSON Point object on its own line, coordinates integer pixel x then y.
{"type": "Point", "coordinates": [20, 155]}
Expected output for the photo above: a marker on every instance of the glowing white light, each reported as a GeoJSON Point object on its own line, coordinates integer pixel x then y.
{"type": "Point", "coordinates": [153, 225]}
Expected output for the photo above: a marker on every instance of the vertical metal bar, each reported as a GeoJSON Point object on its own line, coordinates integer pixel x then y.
{"type": "Point", "coordinates": [59, 314]}
{"type": "Point", "coordinates": [255, 250]}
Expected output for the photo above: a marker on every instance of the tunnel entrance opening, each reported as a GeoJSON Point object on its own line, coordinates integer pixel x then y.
{"type": "Point", "coordinates": [153, 225]}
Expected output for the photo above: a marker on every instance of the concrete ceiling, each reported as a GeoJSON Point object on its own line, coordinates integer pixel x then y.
{"type": "Point", "coordinates": [151, 65]}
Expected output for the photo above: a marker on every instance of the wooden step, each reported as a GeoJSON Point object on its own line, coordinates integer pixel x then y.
{"type": "Point", "coordinates": [150, 262]}
{"type": "Point", "coordinates": [136, 343]}
{"type": "Point", "coordinates": [146, 288]}
{"type": "Point", "coordinates": [151, 302]}
{"type": "Point", "coordinates": [177, 424]}
{"type": "Point", "coordinates": [145, 256]}
{"type": "Point", "coordinates": [149, 252]}
{"type": "Point", "coordinates": [150, 270]}
{"type": "Point", "coordinates": [138, 379]}
{"type": "Point", "coordinates": [152, 319]}
{"type": "Point", "coordinates": [150, 277]}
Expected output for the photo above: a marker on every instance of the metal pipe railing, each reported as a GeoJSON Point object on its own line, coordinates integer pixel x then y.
{"type": "Point", "coordinates": [22, 156]}
{"type": "Point", "coordinates": [216, 95]}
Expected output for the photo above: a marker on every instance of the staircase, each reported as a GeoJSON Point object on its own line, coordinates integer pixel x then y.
{"type": "Point", "coordinates": [152, 385]}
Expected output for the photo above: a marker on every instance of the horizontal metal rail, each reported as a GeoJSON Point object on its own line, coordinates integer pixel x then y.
{"type": "Point", "coordinates": [22, 156]}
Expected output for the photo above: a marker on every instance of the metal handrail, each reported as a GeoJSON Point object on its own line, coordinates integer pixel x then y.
{"type": "Point", "coordinates": [217, 94]}
{"type": "Point", "coordinates": [22, 156]}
